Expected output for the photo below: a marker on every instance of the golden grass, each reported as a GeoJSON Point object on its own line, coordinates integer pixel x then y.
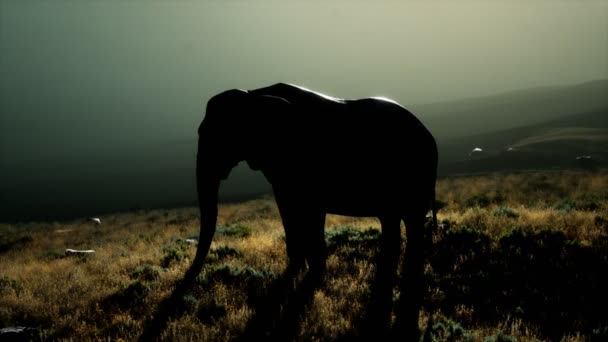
{"type": "Point", "coordinates": [67, 298]}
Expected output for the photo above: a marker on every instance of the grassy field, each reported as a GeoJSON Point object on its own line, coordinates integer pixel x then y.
{"type": "Point", "coordinates": [517, 257]}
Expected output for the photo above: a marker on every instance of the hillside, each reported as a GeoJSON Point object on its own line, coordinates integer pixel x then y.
{"type": "Point", "coordinates": [552, 144]}
{"type": "Point", "coordinates": [94, 177]}
{"type": "Point", "coordinates": [519, 108]}
{"type": "Point", "coordinates": [517, 256]}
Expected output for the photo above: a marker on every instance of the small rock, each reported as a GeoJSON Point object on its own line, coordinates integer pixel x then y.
{"type": "Point", "coordinates": [19, 334]}
{"type": "Point", "coordinates": [78, 252]}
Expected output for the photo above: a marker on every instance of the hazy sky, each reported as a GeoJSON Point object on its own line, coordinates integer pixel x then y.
{"type": "Point", "coordinates": [139, 70]}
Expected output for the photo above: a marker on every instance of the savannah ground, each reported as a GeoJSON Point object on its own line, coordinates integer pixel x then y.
{"type": "Point", "coordinates": [516, 257]}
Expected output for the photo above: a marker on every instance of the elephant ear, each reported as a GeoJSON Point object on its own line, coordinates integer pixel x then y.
{"type": "Point", "coordinates": [266, 124]}
{"type": "Point", "coordinates": [227, 106]}
{"type": "Point", "coordinates": [266, 110]}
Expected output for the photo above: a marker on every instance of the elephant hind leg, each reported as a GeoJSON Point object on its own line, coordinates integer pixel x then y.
{"type": "Point", "coordinates": [381, 301]}
{"type": "Point", "coordinates": [411, 282]}
{"type": "Point", "coordinates": [316, 256]}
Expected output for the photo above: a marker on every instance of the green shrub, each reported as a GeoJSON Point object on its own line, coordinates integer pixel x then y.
{"type": "Point", "coordinates": [8, 242]}
{"type": "Point", "coordinates": [600, 221]}
{"type": "Point", "coordinates": [445, 330]}
{"type": "Point", "coordinates": [484, 200]}
{"type": "Point", "coordinates": [479, 200]}
{"type": "Point", "coordinates": [136, 292]}
{"type": "Point", "coordinates": [53, 254]}
{"type": "Point", "coordinates": [565, 205]}
{"type": "Point", "coordinates": [146, 272]}
{"type": "Point", "coordinates": [210, 310]}
{"type": "Point", "coordinates": [231, 274]}
{"type": "Point", "coordinates": [599, 334]}
{"type": "Point", "coordinates": [584, 202]}
{"type": "Point", "coordinates": [190, 303]}
{"type": "Point", "coordinates": [345, 235]}
{"type": "Point", "coordinates": [130, 296]}
{"type": "Point", "coordinates": [225, 252]}
{"type": "Point", "coordinates": [183, 245]}
{"type": "Point", "coordinates": [171, 254]}
{"type": "Point", "coordinates": [236, 231]}
{"type": "Point", "coordinates": [588, 202]}
{"type": "Point", "coordinates": [500, 337]}
{"type": "Point", "coordinates": [504, 210]}
{"type": "Point", "coordinates": [8, 284]}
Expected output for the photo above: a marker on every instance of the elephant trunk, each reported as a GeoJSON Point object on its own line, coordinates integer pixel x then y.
{"type": "Point", "coordinates": [207, 188]}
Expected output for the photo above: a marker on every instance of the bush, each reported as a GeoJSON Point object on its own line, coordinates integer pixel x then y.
{"type": "Point", "coordinates": [484, 200]}
{"type": "Point", "coordinates": [231, 274]}
{"type": "Point", "coordinates": [8, 243]}
{"type": "Point", "coordinates": [136, 292]}
{"type": "Point", "coordinates": [146, 272]}
{"type": "Point", "coordinates": [565, 205]}
{"type": "Point", "coordinates": [479, 200]}
{"type": "Point", "coordinates": [353, 244]}
{"type": "Point", "coordinates": [584, 202]}
{"type": "Point", "coordinates": [588, 202]}
{"type": "Point", "coordinates": [600, 221]}
{"type": "Point", "coordinates": [225, 252]}
{"type": "Point", "coordinates": [236, 231]}
{"type": "Point", "coordinates": [190, 303]}
{"type": "Point", "coordinates": [210, 310]}
{"type": "Point", "coordinates": [599, 334]}
{"type": "Point", "coordinates": [130, 296]}
{"type": "Point", "coordinates": [503, 210]}
{"type": "Point", "coordinates": [500, 337]}
{"type": "Point", "coordinates": [8, 284]}
{"type": "Point", "coordinates": [446, 330]}
{"type": "Point", "coordinates": [346, 235]}
{"type": "Point", "coordinates": [171, 254]}
{"type": "Point", "coordinates": [53, 254]}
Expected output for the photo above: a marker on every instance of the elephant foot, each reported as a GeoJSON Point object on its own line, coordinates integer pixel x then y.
{"type": "Point", "coordinates": [377, 319]}
{"type": "Point", "coordinates": [193, 272]}
{"type": "Point", "coordinates": [405, 331]}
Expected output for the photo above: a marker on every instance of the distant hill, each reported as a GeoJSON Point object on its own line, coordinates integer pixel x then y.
{"type": "Point", "coordinates": [148, 176]}
{"type": "Point", "coordinates": [545, 127]}
{"type": "Point", "coordinates": [474, 116]}
{"type": "Point", "coordinates": [551, 144]}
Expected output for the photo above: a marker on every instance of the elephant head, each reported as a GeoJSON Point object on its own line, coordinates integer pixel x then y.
{"type": "Point", "coordinates": [236, 128]}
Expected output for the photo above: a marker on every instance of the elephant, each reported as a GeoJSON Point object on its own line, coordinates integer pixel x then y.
{"type": "Point", "coordinates": [366, 157]}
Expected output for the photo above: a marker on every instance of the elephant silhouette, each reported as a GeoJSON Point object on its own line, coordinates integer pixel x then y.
{"type": "Point", "coordinates": [367, 157]}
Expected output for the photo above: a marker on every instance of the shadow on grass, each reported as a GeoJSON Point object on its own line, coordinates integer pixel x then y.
{"type": "Point", "coordinates": [171, 307]}
{"type": "Point", "coordinates": [278, 302]}
{"type": "Point", "coordinates": [278, 312]}
{"type": "Point", "coordinates": [543, 278]}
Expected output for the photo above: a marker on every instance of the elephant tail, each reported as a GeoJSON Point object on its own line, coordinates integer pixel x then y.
{"type": "Point", "coordinates": [435, 227]}
{"type": "Point", "coordinates": [434, 210]}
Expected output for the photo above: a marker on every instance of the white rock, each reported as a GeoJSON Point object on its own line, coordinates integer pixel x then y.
{"type": "Point", "coordinates": [70, 251]}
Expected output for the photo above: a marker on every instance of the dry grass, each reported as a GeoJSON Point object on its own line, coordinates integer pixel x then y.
{"type": "Point", "coordinates": [141, 255]}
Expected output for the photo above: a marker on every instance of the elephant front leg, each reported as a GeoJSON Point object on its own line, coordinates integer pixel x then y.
{"type": "Point", "coordinates": [305, 240]}
{"type": "Point", "coordinates": [295, 252]}
{"type": "Point", "coordinates": [294, 234]}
